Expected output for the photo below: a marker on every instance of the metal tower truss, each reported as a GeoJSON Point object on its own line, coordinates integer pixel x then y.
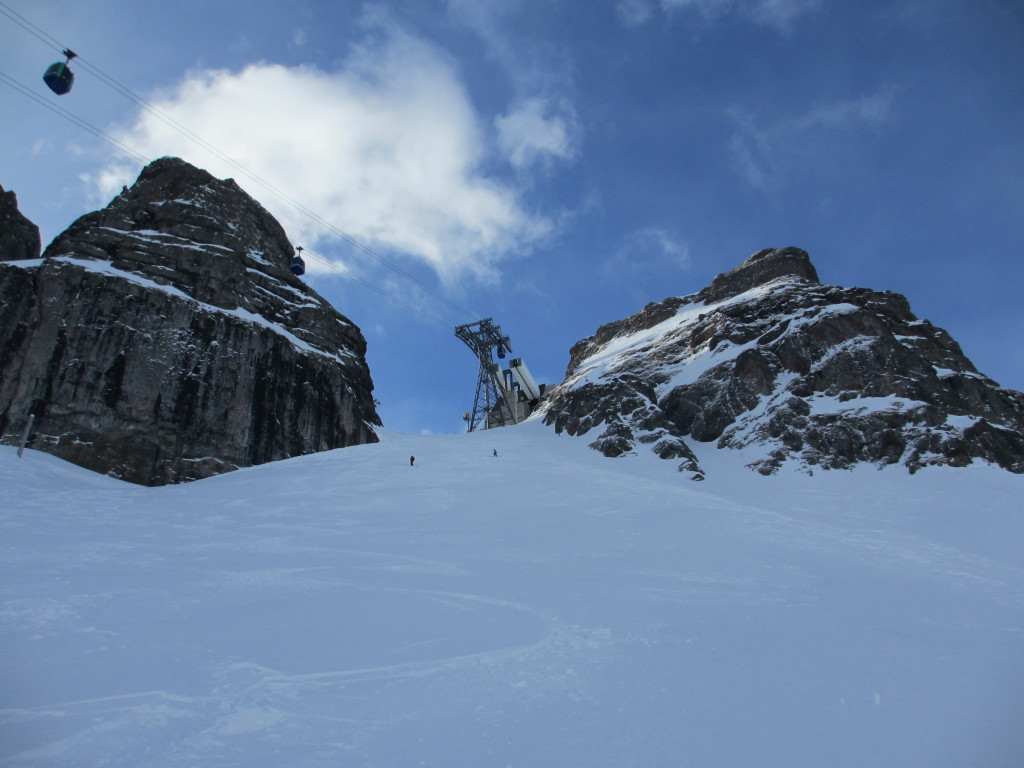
{"type": "Point", "coordinates": [486, 338]}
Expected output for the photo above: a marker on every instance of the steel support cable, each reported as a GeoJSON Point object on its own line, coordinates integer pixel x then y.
{"type": "Point", "coordinates": [27, 25]}
{"type": "Point", "coordinates": [71, 117]}
{"type": "Point", "coordinates": [198, 140]}
{"type": "Point", "coordinates": [344, 271]}
{"type": "Point", "coordinates": [333, 266]}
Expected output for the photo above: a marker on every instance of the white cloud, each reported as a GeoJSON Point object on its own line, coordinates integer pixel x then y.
{"type": "Point", "coordinates": [759, 153]}
{"type": "Point", "coordinates": [389, 150]}
{"type": "Point", "coordinates": [781, 13]}
{"type": "Point", "coordinates": [753, 153]}
{"type": "Point", "coordinates": [533, 131]}
{"type": "Point", "coordinates": [534, 68]}
{"type": "Point", "coordinates": [634, 12]}
{"type": "Point", "coordinates": [709, 8]}
{"type": "Point", "coordinates": [869, 110]}
{"type": "Point", "coordinates": [488, 19]}
{"type": "Point", "coordinates": [648, 249]}
{"type": "Point", "coordinates": [42, 146]}
{"type": "Point", "coordinates": [771, 13]}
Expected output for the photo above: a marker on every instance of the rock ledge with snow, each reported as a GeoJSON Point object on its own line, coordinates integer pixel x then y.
{"type": "Point", "coordinates": [769, 361]}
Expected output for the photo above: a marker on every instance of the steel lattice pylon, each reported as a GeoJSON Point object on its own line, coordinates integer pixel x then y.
{"type": "Point", "coordinates": [483, 337]}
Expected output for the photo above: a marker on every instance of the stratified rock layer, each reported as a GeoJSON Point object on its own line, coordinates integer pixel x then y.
{"type": "Point", "coordinates": [164, 339]}
{"type": "Point", "coordinates": [768, 360]}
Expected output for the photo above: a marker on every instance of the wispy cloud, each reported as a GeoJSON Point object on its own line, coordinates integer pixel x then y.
{"type": "Point", "coordinates": [648, 250]}
{"type": "Point", "coordinates": [540, 120]}
{"type": "Point", "coordinates": [389, 149]}
{"type": "Point", "coordinates": [779, 14]}
{"type": "Point", "coordinates": [533, 66]}
{"type": "Point", "coordinates": [537, 129]}
{"type": "Point", "coordinates": [752, 152]}
{"type": "Point", "coordinates": [634, 13]}
{"type": "Point", "coordinates": [759, 152]}
{"type": "Point", "coordinates": [871, 110]}
{"type": "Point", "coordinates": [710, 8]}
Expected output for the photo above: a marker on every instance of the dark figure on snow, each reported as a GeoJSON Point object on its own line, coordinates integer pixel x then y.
{"type": "Point", "coordinates": [412, 461]}
{"type": "Point", "coordinates": [495, 452]}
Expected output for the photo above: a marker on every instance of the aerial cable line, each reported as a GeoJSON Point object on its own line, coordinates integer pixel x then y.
{"type": "Point", "coordinates": [342, 270]}
{"type": "Point", "coordinates": [72, 118]}
{"type": "Point", "coordinates": [198, 140]}
{"type": "Point", "coordinates": [332, 266]}
{"type": "Point", "coordinates": [21, 21]}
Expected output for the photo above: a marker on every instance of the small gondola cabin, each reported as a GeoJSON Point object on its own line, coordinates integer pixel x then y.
{"type": "Point", "coordinates": [59, 77]}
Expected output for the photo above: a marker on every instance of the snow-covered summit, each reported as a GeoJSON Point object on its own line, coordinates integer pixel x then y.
{"type": "Point", "coordinates": [770, 361]}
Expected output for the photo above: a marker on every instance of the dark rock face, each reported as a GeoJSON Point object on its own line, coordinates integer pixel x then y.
{"type": "Point", "coordinates": [164, 339]}
{"type": "Point", "coordinates": [19, 237]}
{"type": "Point", "coordinates": [762, 267]}
{"type": "Point", "coordinates": [768, 360]}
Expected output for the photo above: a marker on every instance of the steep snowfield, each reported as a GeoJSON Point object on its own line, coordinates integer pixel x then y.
{"type": "Point", "coordinates": [545, 607]}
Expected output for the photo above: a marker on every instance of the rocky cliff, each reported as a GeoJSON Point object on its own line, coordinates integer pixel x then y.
{"type": "Point", "coordinates": [769, 360]}
{"type": "Point", "coordinates": [164, 339]}
{"type": "Point", "coordinates": [19, 237]}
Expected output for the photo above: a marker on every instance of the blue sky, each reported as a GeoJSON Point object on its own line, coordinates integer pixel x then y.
{"type": "Point", "coordinates": [557, 165]}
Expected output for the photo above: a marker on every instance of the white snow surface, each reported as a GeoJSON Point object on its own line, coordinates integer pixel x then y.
{"type": "Point", "coordinates": [547, 607]}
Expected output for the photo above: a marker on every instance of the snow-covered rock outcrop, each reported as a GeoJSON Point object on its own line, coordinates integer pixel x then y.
{"type": "Point", "coordinates": [164, 339]}
{"type": "Point", "coordinates": [768, 360]}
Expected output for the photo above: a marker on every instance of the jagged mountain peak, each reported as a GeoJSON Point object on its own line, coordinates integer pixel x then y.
{"type": "Point", "coordinates": [762, 267]}
{"type": "Point", "coordinates": [170, 189]}
{"type": "Point", "coordinates": [181, 226]}
{"type": "Point", "coordinates": [164, 338]}
{"type": "Point", "coordinates": [19, 237]}
{"type": "Point", "coordinates": [770, 361]}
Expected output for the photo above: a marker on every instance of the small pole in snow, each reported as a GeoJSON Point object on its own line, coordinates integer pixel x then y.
{"type": "Point", "coordinates": [25, 434]}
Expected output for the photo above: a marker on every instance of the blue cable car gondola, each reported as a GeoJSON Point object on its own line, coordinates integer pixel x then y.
{"type": "Point", "coordinates": [298, 266]}
{"type": "Point", "coordinates": [59, 76]}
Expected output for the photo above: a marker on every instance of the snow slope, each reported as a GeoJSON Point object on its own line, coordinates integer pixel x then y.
{"type": "Point", "coordinates": [545, 607]}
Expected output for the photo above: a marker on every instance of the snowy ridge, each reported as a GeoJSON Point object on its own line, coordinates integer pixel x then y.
{"type": "Point", "coordinates": [618, 352]}
{"type": "Point", "coordinates": [346, 608]}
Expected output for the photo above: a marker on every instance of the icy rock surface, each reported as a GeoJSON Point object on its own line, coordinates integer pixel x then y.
{"type": "Point", "coordinates": [770, 361]}
{"type": "Point", "coordinates": [164, 339]}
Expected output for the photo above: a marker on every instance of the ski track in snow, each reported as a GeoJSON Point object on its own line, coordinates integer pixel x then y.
{"type": "Point", "coordinates": [548, 607]}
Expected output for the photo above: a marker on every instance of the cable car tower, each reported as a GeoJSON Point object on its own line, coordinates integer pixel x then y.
{"type": "Point", "coordinates": [501, 396]}
{"type": "Point", "coordinates": [482, 337]}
